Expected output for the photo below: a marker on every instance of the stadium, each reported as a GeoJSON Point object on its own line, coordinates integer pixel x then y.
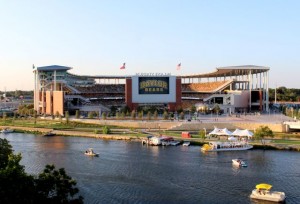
{"type": "Point", "coordinates": [233, 89]}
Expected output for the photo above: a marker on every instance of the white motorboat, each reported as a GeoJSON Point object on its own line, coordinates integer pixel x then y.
{"type": "Point", "coordinates": [263, 192]}
{"type": "Point", "coordinates": [7, 130]}
{"type": "Point", "coordinates": [174, 143]}
{"type": "Point", "coordinates": [239, 162]}
{"type": "Point", "coordinates": [225, 146]}
{"type": "Point", "coordinates": [155, 141]}
{"type": "Point", "coordinates": [90, 152]}
{"type": "Point", "coordinates": [186, 143]}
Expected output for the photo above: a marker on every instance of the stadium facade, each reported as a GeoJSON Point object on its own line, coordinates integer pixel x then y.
{"type": "Point", "coordinates": [234, 89]}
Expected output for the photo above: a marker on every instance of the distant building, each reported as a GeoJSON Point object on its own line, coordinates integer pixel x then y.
{"type": "Point", "coordinates": [234, 89]}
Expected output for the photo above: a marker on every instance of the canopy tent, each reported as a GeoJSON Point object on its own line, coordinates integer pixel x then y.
{"type": "Point", "coordinates": [220, 132]}
{"type": "Point", "coordinates": [264, 186]}
{"type": "Point", "coordinates": [242, 133]}
{"type": "Point", "coordinates": [232, 138]}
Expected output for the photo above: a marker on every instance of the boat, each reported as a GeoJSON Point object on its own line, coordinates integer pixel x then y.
{"type": "Point", "coordinates": [186, 143]}
{"type": "Point", "coordinates": [174, 143]}
{"type": "Point", "coordinates": [6, 130]}
{"type": "Point", "coordinates": [263, 192]}
{"type": "Point", "coordinates": [147, 139]}
{"type": "Point", "coordinates": [239, 162]}
{"type": "Point", "coordinates": [50, 134]}
{"type": "Point", "coordinates": [90, 152]}
{"type": "Point", "coordinates": [154, 141]}
{"type": "Point", "coordinates": [162, 140]}
{"type": "Point", "coordinates": [166, 141]}
{"type": "Point", "coordinates": [225, 146]}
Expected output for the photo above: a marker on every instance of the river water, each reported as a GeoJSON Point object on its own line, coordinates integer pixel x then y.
{"type": "Point", "coordinates": [128, 172]}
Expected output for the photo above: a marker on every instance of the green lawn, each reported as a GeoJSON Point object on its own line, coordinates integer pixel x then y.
{"type": "Point", "coordinates": [286, 141]}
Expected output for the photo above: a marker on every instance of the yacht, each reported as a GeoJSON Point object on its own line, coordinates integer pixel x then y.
{"type": "Point", "coordinates": [225, 146]}
{"type": "Point", "coordinates": [263, 192]}
{"type": "Point", "coordinates": [90, 152]}
{"type": "Point", "coordinates": [239, 163]}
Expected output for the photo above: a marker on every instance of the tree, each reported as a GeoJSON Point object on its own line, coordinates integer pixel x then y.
{"type": "Point", "coordinates": [113, 109]}
{"type": "Point", "coordinates": [181, 116]}
{"type": "Point", "coordinates": [193, 109]}
{"type": "Point", "coordinates": [57, 114]}
{"type": "Point", "coordinates": [155, 115]}
{"type": "Point", "coordinates": [140, 115]}
{"type": "Point", "coordinates": [55, 186]}
{"type": "Point", "coordinates": [117, 115]}
{"type": "Point", "coordinates": [149, 115]}
{"type": "Point", "coordinates": [104, 116]}
{"type": "Point", "coordinates": [202, 134]}
{"type": "Point", "coordinates": [5, 150]}
{"type": "Point", "coordinates": [77, 114]}
{"type": "Point", "coordinates": [165, 115]}
{"type": "Point", "coordinates": [106, 130]}
{"type": "Point", "coordinates": [123, 115]}
{"type": "Point", "coordinates": [91, 115]}
{"type": "Point", "coordinates": [16, 186]}
{"type": "Point", "coordinates": [262, 132]}
{"type": "Point", "coordinates": [216, 108]}
{"type": "Point", "coordinates": [133, 115]}
{"type": "Point", "coordinates": [67, 115]}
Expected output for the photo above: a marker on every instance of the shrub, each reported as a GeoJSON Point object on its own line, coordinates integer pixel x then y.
{"type": "Point", "coordinates": [104, 116]}
{"type": "Point", "coordinates": [106, 130]}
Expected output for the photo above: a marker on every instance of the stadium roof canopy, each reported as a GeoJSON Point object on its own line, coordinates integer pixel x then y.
{"type": "Point", "coordinates": [230, 71]}
{"type": "Point", "coordinates": [53, 68]}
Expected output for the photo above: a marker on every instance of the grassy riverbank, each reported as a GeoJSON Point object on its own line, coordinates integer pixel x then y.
{"type": "Point", "coordinates": [280, 141]}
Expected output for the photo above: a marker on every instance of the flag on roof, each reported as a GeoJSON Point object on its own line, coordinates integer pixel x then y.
{"type": "Point", "coordinates": [179, 66]}
{"type": "Point", "coordinates": [123, 66]}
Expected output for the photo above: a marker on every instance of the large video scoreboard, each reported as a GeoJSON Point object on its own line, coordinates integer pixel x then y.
{"type": "Point", "coordinates": [154, 85]}
{"type": "Point", "coordinates": [153, 89]}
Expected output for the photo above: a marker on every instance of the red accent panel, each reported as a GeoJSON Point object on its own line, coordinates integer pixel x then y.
{"type": "Point", "coordinates": [260, 100]}
{"type": "Point", "coordinates": [178, 92]}
{"type": "Point", "coordinates": [128, 93]}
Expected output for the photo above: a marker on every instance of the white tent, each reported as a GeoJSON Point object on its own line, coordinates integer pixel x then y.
{"type": "Point", "coordinates": [237, 132]}
{"type": "Point", "coordinates": [242, 133]}
{"type": "Point", "coordinates": [220, 132]}
{"type": "Point", "coordinates": [232, 138]}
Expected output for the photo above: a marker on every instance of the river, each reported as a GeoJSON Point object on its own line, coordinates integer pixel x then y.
{"type": "Point", "coordinates": [128, 172]}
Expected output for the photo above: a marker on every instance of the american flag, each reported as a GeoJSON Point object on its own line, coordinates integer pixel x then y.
{"type": "Point", "coordinates": [123, 66]}
{"type": "Point", "coordinates": [179, 66]}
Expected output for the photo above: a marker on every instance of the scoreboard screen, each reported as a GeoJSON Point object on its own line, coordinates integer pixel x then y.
{"type": "Point", "coordinates": [153, 85]}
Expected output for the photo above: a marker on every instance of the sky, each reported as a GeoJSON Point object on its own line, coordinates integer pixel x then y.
{"type": "Point", "coordinates": [96, 37]}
